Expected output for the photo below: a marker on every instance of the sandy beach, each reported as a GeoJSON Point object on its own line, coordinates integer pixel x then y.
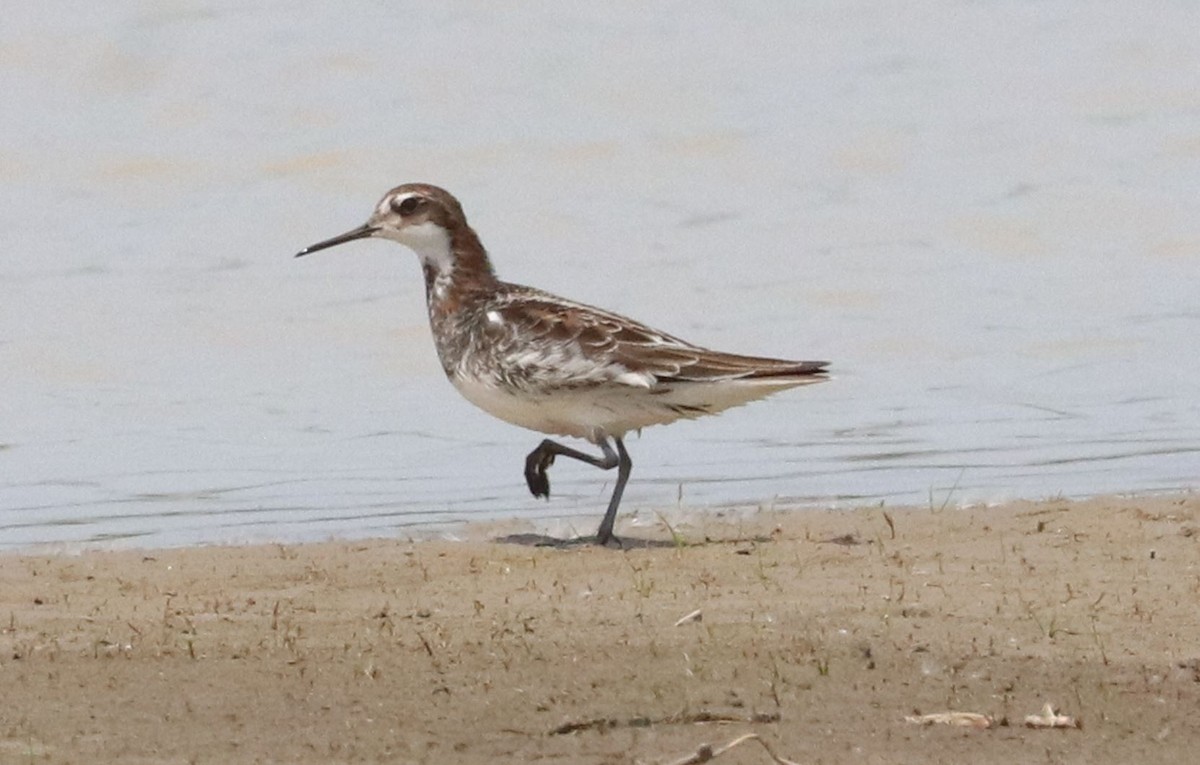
{"type": "Point", "coordinates": [822, 632]}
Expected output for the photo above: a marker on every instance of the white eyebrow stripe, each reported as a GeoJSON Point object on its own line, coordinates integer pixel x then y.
{"type": "Point", "coordinates": [388, 204]}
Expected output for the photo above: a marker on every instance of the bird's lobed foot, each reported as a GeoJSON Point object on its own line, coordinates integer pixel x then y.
{"type": "Point", "coordinates": [536, 467]}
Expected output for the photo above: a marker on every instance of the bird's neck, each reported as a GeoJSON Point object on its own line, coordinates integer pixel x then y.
{"type": "Point", "coordinates": [456, 267]}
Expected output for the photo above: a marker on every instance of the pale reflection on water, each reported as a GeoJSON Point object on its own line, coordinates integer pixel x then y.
{"type": "Point", "coordinates": [985, 217]}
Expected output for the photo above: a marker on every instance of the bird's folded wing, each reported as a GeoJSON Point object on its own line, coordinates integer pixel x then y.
{"type": "Point", "coordinates": [578, 338]}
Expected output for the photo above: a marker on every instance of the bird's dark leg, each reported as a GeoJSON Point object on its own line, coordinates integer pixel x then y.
{"type": "Point", "coordinates": [624, 465]}
{"type": "Point", "coordinates": [541, 458]}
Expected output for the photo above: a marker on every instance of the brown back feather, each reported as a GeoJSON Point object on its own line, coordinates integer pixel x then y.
{"type": "Point", "coordinates": [637, 347]}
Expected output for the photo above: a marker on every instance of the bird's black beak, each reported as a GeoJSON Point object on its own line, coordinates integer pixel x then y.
{"type": "Point", "coordinates": [362, 232]}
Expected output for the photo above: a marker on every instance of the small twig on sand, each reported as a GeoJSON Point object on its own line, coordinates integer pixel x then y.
{"type": "Point", "coordinates": [691, 718]}
{"type": "Point", "coordinates": [706, 752]}
{"type": "Point", "coordinates": [961, 719]}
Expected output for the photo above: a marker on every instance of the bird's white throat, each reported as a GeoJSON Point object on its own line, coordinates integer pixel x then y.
{"type": "Point", "coordinates": [430, 241]}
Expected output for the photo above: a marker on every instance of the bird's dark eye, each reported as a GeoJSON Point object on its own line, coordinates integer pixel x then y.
{"type": "Point", "coordinates": [408, 206]}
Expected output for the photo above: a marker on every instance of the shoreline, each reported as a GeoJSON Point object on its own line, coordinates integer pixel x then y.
{"type": "Point", "coordinates": [647, 522]}
{"type": "Point", "coordinates": [818, 630]}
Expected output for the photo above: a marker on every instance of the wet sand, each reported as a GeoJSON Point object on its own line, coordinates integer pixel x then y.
{"type": "Point", "coordinates": [819, 631]}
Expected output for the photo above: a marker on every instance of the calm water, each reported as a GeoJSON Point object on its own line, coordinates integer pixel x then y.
{"type": "Point", "coordinates": [986, 214]}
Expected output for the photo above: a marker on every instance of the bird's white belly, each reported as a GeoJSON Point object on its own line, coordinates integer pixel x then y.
{"type": "Point", "coordinates": [563, 413]}
{"type": "Point", "coordinates": [592, 413]}
{"type": "Point", "coordinates": [597, 412]}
